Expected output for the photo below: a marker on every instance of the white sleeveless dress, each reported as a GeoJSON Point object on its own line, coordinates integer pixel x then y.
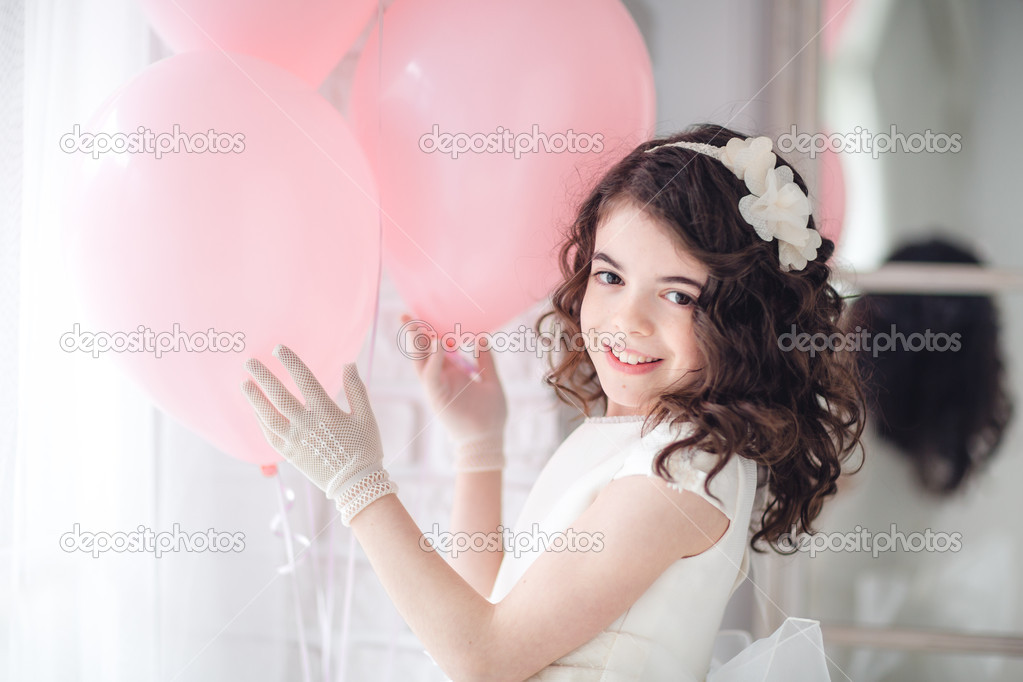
{"type": "Point", "coordinates": [668, 633]}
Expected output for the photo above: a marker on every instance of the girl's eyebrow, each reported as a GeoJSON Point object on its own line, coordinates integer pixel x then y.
{"type": "Point", "coordinates": [600, 255]}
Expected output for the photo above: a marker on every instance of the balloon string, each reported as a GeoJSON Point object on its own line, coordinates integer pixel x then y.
{"type": "Point", "coordinates": [350, 574]}
{"type": "Point", "coordinates": [276, 524]}
{"type": "Point", "coordinates": [290, 550]}
{"type": "Point", "coordinates": [349, 583]}
{"type": "Point", "coordinates": [322, 614]}
{"type": "Point", "coordinates": [329, 579]}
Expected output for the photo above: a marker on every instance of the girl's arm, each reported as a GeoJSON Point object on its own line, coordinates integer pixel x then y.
{"type": "Point", "coordinates": [477, 509]}
{"type": "Point", "coordinates": [467, 408]}
{"type": "Point", "coordinates": [638, 527]}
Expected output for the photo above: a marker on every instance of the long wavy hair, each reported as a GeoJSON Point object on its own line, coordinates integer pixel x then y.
{"type": "Point", "coordinates": [799, 416]}
{"type": "Point", "coordinates": [945, 411]}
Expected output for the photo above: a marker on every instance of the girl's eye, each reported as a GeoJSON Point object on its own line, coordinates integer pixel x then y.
{"type": "Point", "coordinates": [609, 274]}
{"type": "Point", "coordinates": [684, 299]}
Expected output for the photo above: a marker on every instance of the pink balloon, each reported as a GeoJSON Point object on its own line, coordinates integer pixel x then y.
{"type": "Point", "coordinates": [307, 37]}
{"type": "Point", "coordinates": [274, 237]}
{"type": "Point", "coordinates": [471, 239]}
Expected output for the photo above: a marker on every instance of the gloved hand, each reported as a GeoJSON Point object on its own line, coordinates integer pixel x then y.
{"type": "Point", "coordinates": [474, 411]}
{"type": "Point", "coordinates": [338, 451]}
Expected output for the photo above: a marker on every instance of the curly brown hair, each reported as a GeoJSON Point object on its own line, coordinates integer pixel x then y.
{"type": "Point", "coordinates": [799, 416]}
{"type": "Point", "coordinates": [947, 413]}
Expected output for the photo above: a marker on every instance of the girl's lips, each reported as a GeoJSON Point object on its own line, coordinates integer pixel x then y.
{"type": "Point", "coordinates": [625, 367]}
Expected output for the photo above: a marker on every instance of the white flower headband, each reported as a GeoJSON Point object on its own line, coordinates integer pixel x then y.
{"type": "Point", "coordinates": [776, 207]}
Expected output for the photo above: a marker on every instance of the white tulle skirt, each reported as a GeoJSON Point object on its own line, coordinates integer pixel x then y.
{"type": "Point", "coordinates": [795, 651]}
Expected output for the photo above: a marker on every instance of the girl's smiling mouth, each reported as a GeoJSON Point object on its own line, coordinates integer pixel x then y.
{"type": "Point", "coordinates": [640, 367]}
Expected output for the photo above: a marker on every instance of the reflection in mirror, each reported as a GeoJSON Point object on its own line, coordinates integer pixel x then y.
{"type": "Point", "coordinates": [924, 538]}
{"type": "Point", "coordinates": [938, 407]}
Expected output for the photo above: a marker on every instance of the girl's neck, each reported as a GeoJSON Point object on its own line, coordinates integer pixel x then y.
{"type": "Point", "coordinates": [611, 419]}
{"type": "Point", "coordinates": [616, 410]}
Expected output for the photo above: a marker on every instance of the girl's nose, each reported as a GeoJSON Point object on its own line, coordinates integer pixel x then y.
{"type": "Point", "coordinates": [633, 318]}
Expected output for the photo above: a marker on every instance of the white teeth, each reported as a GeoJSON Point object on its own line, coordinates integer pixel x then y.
{"type": "Point", "coordinates": [631, 358]}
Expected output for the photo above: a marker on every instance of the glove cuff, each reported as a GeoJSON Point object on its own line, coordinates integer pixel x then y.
{"type": "Point", "coordinates": [365, 490]}
{"type": "Point", "coordinates": [480, 453]}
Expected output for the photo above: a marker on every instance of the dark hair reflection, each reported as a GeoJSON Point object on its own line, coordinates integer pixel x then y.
{"type": "Point", "coordinates": [946, 411]}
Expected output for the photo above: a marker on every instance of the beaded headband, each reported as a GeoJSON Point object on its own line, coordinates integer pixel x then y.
{"type": "Point", "coordinates": [776, 207]}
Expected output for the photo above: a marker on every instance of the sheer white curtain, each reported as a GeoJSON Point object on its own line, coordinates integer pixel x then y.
{"type": "Point", "coordinates": [83, 449]}
{"type": "Point", "coordinates": [83, 445]}
{"type": "Point", "coordinates": [12, 85]}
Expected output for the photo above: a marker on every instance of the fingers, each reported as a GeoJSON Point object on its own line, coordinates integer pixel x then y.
{"type": "Point", "coordinates": [487, 367]}
{"type": "Point", "coordinates": [416, 344]}
{"type": "Point", "coordinates": [273, 439]}
{"type": "Point", "coordinates": [312, 390]}
{"type": "Point", "coordinates": [269, 418]}
{"type": "Point", "coordinates": [355, 390]}
{"type": "Point", "coordinates": [433, 365]}
{"type": "Point", "coordinates": [424, 350]}
{"type": "Point", "coordinates": [429, 359]}
{"type": "Point", "coordinates": [286, 404]}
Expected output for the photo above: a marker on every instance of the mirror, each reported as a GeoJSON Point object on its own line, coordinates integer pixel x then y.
{"type": "Point", "coordinates": [934, 87]}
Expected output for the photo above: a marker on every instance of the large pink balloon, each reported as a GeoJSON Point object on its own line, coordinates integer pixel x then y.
{"type": "Point", "coordinates": [471, 239]}
{"type": "Point", "coordinates": [307, 37]}
{"type": "Point", "coordinates": [274, 237]}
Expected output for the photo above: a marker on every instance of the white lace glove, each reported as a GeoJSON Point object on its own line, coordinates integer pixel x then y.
{"type": "Point", "coordinates": [473, 411]}
{"type": "Point", "coordinates": [338, 451]}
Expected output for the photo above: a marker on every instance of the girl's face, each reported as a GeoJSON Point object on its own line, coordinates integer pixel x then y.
{"type": "Point", "coordinates": [642, 287]}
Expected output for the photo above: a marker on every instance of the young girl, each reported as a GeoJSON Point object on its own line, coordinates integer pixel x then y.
{"type": "Point", "coordinates": [687, 263]}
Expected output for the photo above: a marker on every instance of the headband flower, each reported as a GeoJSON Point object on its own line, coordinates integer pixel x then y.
{"type": "Point", "coordinates": [776, 207]}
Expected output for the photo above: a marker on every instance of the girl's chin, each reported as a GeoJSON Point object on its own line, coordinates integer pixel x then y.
{"type": "Point", "coordinates": [630, 402]}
